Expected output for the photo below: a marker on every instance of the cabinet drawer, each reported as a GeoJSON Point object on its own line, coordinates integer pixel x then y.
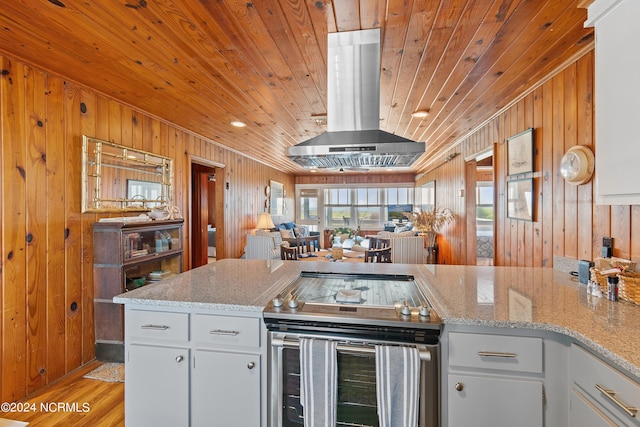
{"type": "Point", "coordinates": [228, 330]}
{"type": "Point", "coordinates": [522, 354]}
{"type": "Point", "coordinates": [157, 324]}
{"type": "Point", "coordinates": [606, 385]}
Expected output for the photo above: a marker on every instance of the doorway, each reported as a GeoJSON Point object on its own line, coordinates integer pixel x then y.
{"type": "Point", "coordinates": [481, 207]}
{"type": "Point", "coordinates": [206, 238]}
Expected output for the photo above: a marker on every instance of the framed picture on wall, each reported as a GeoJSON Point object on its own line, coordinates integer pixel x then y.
{"type": "Point", "coordinates": [520, 199]}
{"type": "Point", "coordinates": [520, 153]}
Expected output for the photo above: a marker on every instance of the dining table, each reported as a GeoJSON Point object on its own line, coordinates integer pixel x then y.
{"type": "Point", "coordinates": [324, 255]}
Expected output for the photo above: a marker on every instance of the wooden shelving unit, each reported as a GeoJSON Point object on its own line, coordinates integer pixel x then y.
{"type": "Point", "coordinates": [128, 255]}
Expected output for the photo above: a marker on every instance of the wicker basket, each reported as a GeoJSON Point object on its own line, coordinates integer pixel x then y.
{"type": "Point", "coordinates": [629, 287]}
{"type": "Point", "coordinates": [599, 278]}
{"type": "Point", "coordinates": [621, 263]}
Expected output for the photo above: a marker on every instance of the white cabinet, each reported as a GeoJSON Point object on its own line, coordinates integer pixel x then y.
{"type": "Point", "coordinates": [157, 386]}
{"type": "Point", "coordinates": [193, 368]}
{"type": "Point", "coordinates": [226, 387]}
{"type": "Point", "coordinates": [585, 414]}
{"type": "Point", "coordinates": [617, 90]}
{"type": "Point", "coordinates": [156, 368]}
{"type": "Point", "coordinates": [490, 400]}
{"type": "Point", "coordinates": [518, 377]}
{"type": "Point", "coordinates": [494, 380]}
{"type": "Point", "coordinates": [227, 368]}
{"type": "Point", "coordinates": [600, 394]}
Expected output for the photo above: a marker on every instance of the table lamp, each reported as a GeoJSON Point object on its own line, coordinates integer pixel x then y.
{"type": "Point", "coordinates": [265, 222]}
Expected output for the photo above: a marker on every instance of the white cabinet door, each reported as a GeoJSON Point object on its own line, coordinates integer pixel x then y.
{"type": "Point", "coordinates": [487, 401]}
{"type": "Point", "coordinates": [617, 89]}
{"type": "Point", "coordinates": [584, 413]}
{"type": "Point", "coordinates": [156, 386]}
{"type": "Point", "coordinates": [226, 389]}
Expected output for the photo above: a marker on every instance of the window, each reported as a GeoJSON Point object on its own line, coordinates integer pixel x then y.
{"type": "Point", "coordinates": [364, 207]}
{"type": "Point", "coordinates": [337, 207]}
{"type": "Point", "coordinates": [484, 208]}
{"type": "Point", "coordinates": [308, 204]}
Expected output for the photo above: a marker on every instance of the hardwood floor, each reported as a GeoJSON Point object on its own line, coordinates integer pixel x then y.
{"type": "Point", "coordinates": [75, 401]}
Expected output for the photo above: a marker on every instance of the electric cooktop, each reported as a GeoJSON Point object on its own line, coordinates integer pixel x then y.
{"type": "Point", "coordinates": [354, 298]}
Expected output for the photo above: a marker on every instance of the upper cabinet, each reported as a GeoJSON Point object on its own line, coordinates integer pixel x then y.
{"type": "Point", "coordinates": [617, 91]}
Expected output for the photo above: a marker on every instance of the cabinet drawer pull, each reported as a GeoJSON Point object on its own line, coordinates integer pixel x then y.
{"type": "Point", "coordinates": [223, 332]}
{"type": "Point", "coordinates": [251, 365]}
{"type": "Point", "coordinates": [179, 359]}
{"type": "Point", "coordinates": [630, 410]}
{"type": "Point", "coordinates": [497, 354]}
{"type": "Point", "coordinates": [155, 327]}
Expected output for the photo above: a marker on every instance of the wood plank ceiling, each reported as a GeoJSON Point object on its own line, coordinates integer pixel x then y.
{"type": "Point", "coordinates": [201, 64]}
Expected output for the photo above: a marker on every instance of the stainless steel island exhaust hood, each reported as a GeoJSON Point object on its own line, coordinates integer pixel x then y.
{"type": "Point", "coordinates": [353, 137]}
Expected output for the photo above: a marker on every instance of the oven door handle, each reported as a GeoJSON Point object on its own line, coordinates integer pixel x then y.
{"type": "Point", "coordinates": [425, 354]}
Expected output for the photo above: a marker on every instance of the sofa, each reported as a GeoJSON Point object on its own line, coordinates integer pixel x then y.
{"type": "Point", "coordinates": [298, 235]}
{"type": "Point", "coordinates": [265, 244]}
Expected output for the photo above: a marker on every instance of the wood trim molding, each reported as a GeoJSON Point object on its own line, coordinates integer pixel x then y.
{"type": "Point", "coordinates": [584, 4]}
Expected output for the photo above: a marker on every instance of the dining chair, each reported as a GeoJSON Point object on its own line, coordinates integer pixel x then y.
{"type": "Point", "coordinates": [378, 255]}
{"type": "Point", "coordinates": [289, 253]}
{"type": "Point", "coordinates": [379, 243]}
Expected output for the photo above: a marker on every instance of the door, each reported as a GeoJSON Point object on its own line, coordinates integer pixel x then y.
{"type": "Point", "coordinates": [308, 209]}
{"type": "Point", "coordinates": [584, 413]}
{"type": "Point", "coordinates": [487, 401]}
{"type": "Point", "coordinates": [480, 206]}
{"type": "Point", "coordinates": [156, 386]}
{"type": "Point", "coordinates": [226, 389]}
{"type": "Point", "coordinates": [204, 214]}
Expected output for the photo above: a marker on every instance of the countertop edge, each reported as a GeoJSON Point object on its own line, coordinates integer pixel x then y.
{"type": "Point", "coordinates": [188, 305]}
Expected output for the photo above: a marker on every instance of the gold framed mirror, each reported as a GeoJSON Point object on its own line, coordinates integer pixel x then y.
{"type": "Point", "coordinates": [116, 178]}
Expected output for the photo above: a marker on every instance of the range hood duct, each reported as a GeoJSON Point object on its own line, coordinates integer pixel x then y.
{"type": "Point", "coordinates": [353, 137]}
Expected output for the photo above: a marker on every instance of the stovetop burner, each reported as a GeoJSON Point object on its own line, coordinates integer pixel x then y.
{"type": "Point", "coordinates": [368, 299]}
{"type": "Point", "coordinates": [360, 289]}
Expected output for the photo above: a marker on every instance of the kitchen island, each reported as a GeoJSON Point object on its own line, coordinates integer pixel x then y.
{"type": "Point", "coordinates": [517, 301]}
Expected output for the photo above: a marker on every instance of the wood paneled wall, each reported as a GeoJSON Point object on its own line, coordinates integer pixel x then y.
{"type": "Point", "coordinates": [567, 222]}
{"type": "Point", "coordinates": [46, 323]}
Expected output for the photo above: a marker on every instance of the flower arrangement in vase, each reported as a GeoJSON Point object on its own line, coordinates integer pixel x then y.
{"type": "Point", "coordinates": [430, 222]}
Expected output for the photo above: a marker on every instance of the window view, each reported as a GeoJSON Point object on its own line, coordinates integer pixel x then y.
{"type": "Point", "coordinates": [309, 204]}
{"type": "Point", "coordinates": [366, 208]}
{"type": "Point", "coordinates": [484, 221]}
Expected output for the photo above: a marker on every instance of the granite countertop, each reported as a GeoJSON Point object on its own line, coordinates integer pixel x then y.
{"type": "Point", "coordinates": [512, 297]}
{"type": "Point", "coordinates": [536, 298]}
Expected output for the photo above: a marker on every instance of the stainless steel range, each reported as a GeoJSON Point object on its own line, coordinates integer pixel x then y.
{"type": "Point", "coordinates": [360, 312]}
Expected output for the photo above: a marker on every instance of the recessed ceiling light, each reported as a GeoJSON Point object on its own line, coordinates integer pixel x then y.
{"type": "Point", "coordinates": [420, 114]}
{"type": "Point", "coordinates": [238, 124]}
